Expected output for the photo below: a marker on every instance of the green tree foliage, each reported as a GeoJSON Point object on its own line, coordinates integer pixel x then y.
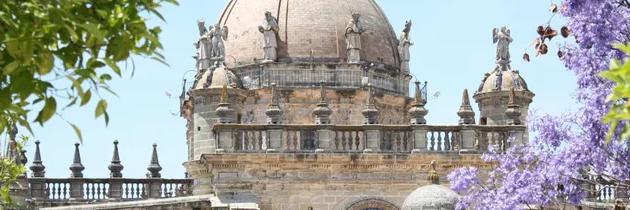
{"type": "Point", "coordinates": [68, 49]}
{"type": "Point", "coordinates": [9, 173]}
{"type": "Point", "coordinates": [619, 73]}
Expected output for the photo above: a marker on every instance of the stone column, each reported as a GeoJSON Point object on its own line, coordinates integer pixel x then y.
{"type": "Point", "coordinates": [419, 133]}
{"type": "Point", "coordinates": [513, 111]}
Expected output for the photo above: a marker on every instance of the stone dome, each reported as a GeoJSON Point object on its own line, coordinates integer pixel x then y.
{"type": "Point", "coordinates": [220, 76]}
{"type": "Point", "coordinates": [509, 79]}
{"type": "Point", "coordinates": [430, 197]}
{"type": "Point", "coordinates": [309, 31]}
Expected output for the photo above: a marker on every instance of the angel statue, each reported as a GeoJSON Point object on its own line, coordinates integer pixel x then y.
{"type": "Point", "coordinates": [217, 35]}
{"type": "Point", "coordinates": [403, 48]}
{"type": "Point", "coordinates": [353, 39]}
{"type": "Point", "coordinates": [502, 38]}
{"type": "Point", "coordinates": [269, 29]}
{"type": "Point", "coordinates": [204, 46]}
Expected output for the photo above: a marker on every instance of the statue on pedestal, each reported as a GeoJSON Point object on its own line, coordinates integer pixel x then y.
{"type": "Point", "coordinates": [217, 35]}
{"type": "Point", "coordinates": [353, 39]}
{"type": "Point", "coordinates": [204, 47]}
{"type": "Point", "coordinates": [269, 29]}
{"type": "Point", "coordinates": [502, 38]}
{"type": "Point", "coordinates": [403, 49]}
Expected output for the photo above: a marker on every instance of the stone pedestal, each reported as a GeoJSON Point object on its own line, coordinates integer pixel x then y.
{"type": "Point", "coordinates": [115, 189]}
{"type": "Point", "coordinates": [324, 134]}
{"type": "Point", "coordinates": [275, 139]}
{"type": "Point", "coordinates": [76, 188]}
{"type": "Point", "coordinates": [225, 140]}
{"type": "Point", "coordinates": [155, 188]}
{"type": "Point", "coordinates": [37, 189]}
{"type": "Point", "coordinates": [419, 139]}
{"type": "Point", "coordinates": [468, 137]}
{"type": "Point", "coordinates": [373, 139]}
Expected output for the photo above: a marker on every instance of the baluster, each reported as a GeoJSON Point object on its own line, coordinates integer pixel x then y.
{"type": "Point", "coordinates": [397, 142]}
{"type": "Point", "coordinates": [64, 191]}
{"type": "Point", "coordinates": [137, 195]}
{"type": "Point", "coordinates": [296, 146]}
{"type": "Point", "coordinates": [59, 190]}
{"type": "Point", "coordinates": [432, 141]}
{"type": "Point", "coordinates": [405, 141]}
{"type": "Point", "coordinates": [170, 190]}
{"type": "Point", "coordinates": [99, 188]}
{"type": "Point", "coordinates": [337, 140]}
{"type": "Point", "coordinates": [357, 140]}
{"type": "Point", "coordinates": [245, 140]}
{"type": "Point", "coordinates": [126, 190]}
{"type": "Point", "coordinates": [440, 141]}
{"type": "Point", "coordinates": [350, 140]}
{"type": "Point", "coordinates": [447, 141]}
{"type": "Point", "coordinates": [343, 140]}
{"type": "Point", "coordinates": [260, 140]}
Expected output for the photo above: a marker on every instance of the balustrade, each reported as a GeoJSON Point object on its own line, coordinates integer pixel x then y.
{"type": "Point", "coordinates": [100, 189]}
{"type": "Point", "coordinates": [355, 138]}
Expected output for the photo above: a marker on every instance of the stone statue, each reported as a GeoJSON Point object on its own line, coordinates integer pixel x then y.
{"type": "Point", "coordinates": [403, 48]}
{"type": "Point", "coordinates": [502, 38]}
{"type": "Point", "coordinates": [204, 46]}
{"type": "Point", "coordinates": [217, 35]}
{"type": "Point", "coordinates": [269, 29]}
{"type": "Point", "coordinates": [353, 39]}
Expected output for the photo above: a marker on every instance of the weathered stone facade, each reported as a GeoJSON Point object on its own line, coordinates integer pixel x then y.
{"type": "Point", "coordinates": [321, 181]}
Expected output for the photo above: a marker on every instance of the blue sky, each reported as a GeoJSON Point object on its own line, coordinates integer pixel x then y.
{"type": "Point", "coordinates": [453, 49]}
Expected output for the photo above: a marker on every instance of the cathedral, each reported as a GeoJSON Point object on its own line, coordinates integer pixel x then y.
{"type": "Point", "coordinates": [306, 105]}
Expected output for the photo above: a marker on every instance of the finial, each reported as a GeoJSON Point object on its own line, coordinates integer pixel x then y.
{"type": "Point", "coordinates": [370, 112]}
{"type": "Point", "coordinates": [154, 167]}
{"type": "Point", "coordinates": [370, 97]}
{"type": "Point", "coordinates": [23, 159]}
{"type": "Point", "coordinates": [274, 98]}
{"type": "Point", "coordinates": [322, 92]}
{"type": "Point", "coordinates": [322, 112]}
{"type": "Point", "coordinates": [115, 167]}
{"type": "Point", "coordinates": [37, 168]}
{"type": "Point", "coordinates": [466, 113]}
{"type": "Point", "coordinates": [273, 112]}
{"type": "Point", "coordinates": [433, 176]}
{"type": "Point", "coordinates": [224, 95]}
{"type": "Point", "coordinates": [417, 112]}
{"type": "Point", "coordinates": [511, 99]}
{"type": "Point", "coordinates": [419, 100]}
{"type": "Point", "coordinates": [76, 167]}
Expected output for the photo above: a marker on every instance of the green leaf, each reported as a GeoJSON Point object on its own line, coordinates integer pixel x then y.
{"type": "Point", "coordinates": [46, 63]}
{"type": "Point", "coordinates": [85, 98]}
{"type": "Point", "coordinates": [77, 131]}
{"type": "Point", "coordinates": [8, 69]}
{"type": "Point", "coordinates": [49, 109]}
{"type": "Point", "coordinates": [101, 108]}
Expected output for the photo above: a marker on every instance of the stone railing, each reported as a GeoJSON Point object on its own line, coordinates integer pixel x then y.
{"type": "Point", "coordinates": [95, 190]}
{"type": "Point", "coordinates": [44, 191]}
{"type": "Point", "coordinates": [365, 138]}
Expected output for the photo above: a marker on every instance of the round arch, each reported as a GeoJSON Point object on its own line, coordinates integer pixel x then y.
{"type": "Point", "coordinates": [372, 204]}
